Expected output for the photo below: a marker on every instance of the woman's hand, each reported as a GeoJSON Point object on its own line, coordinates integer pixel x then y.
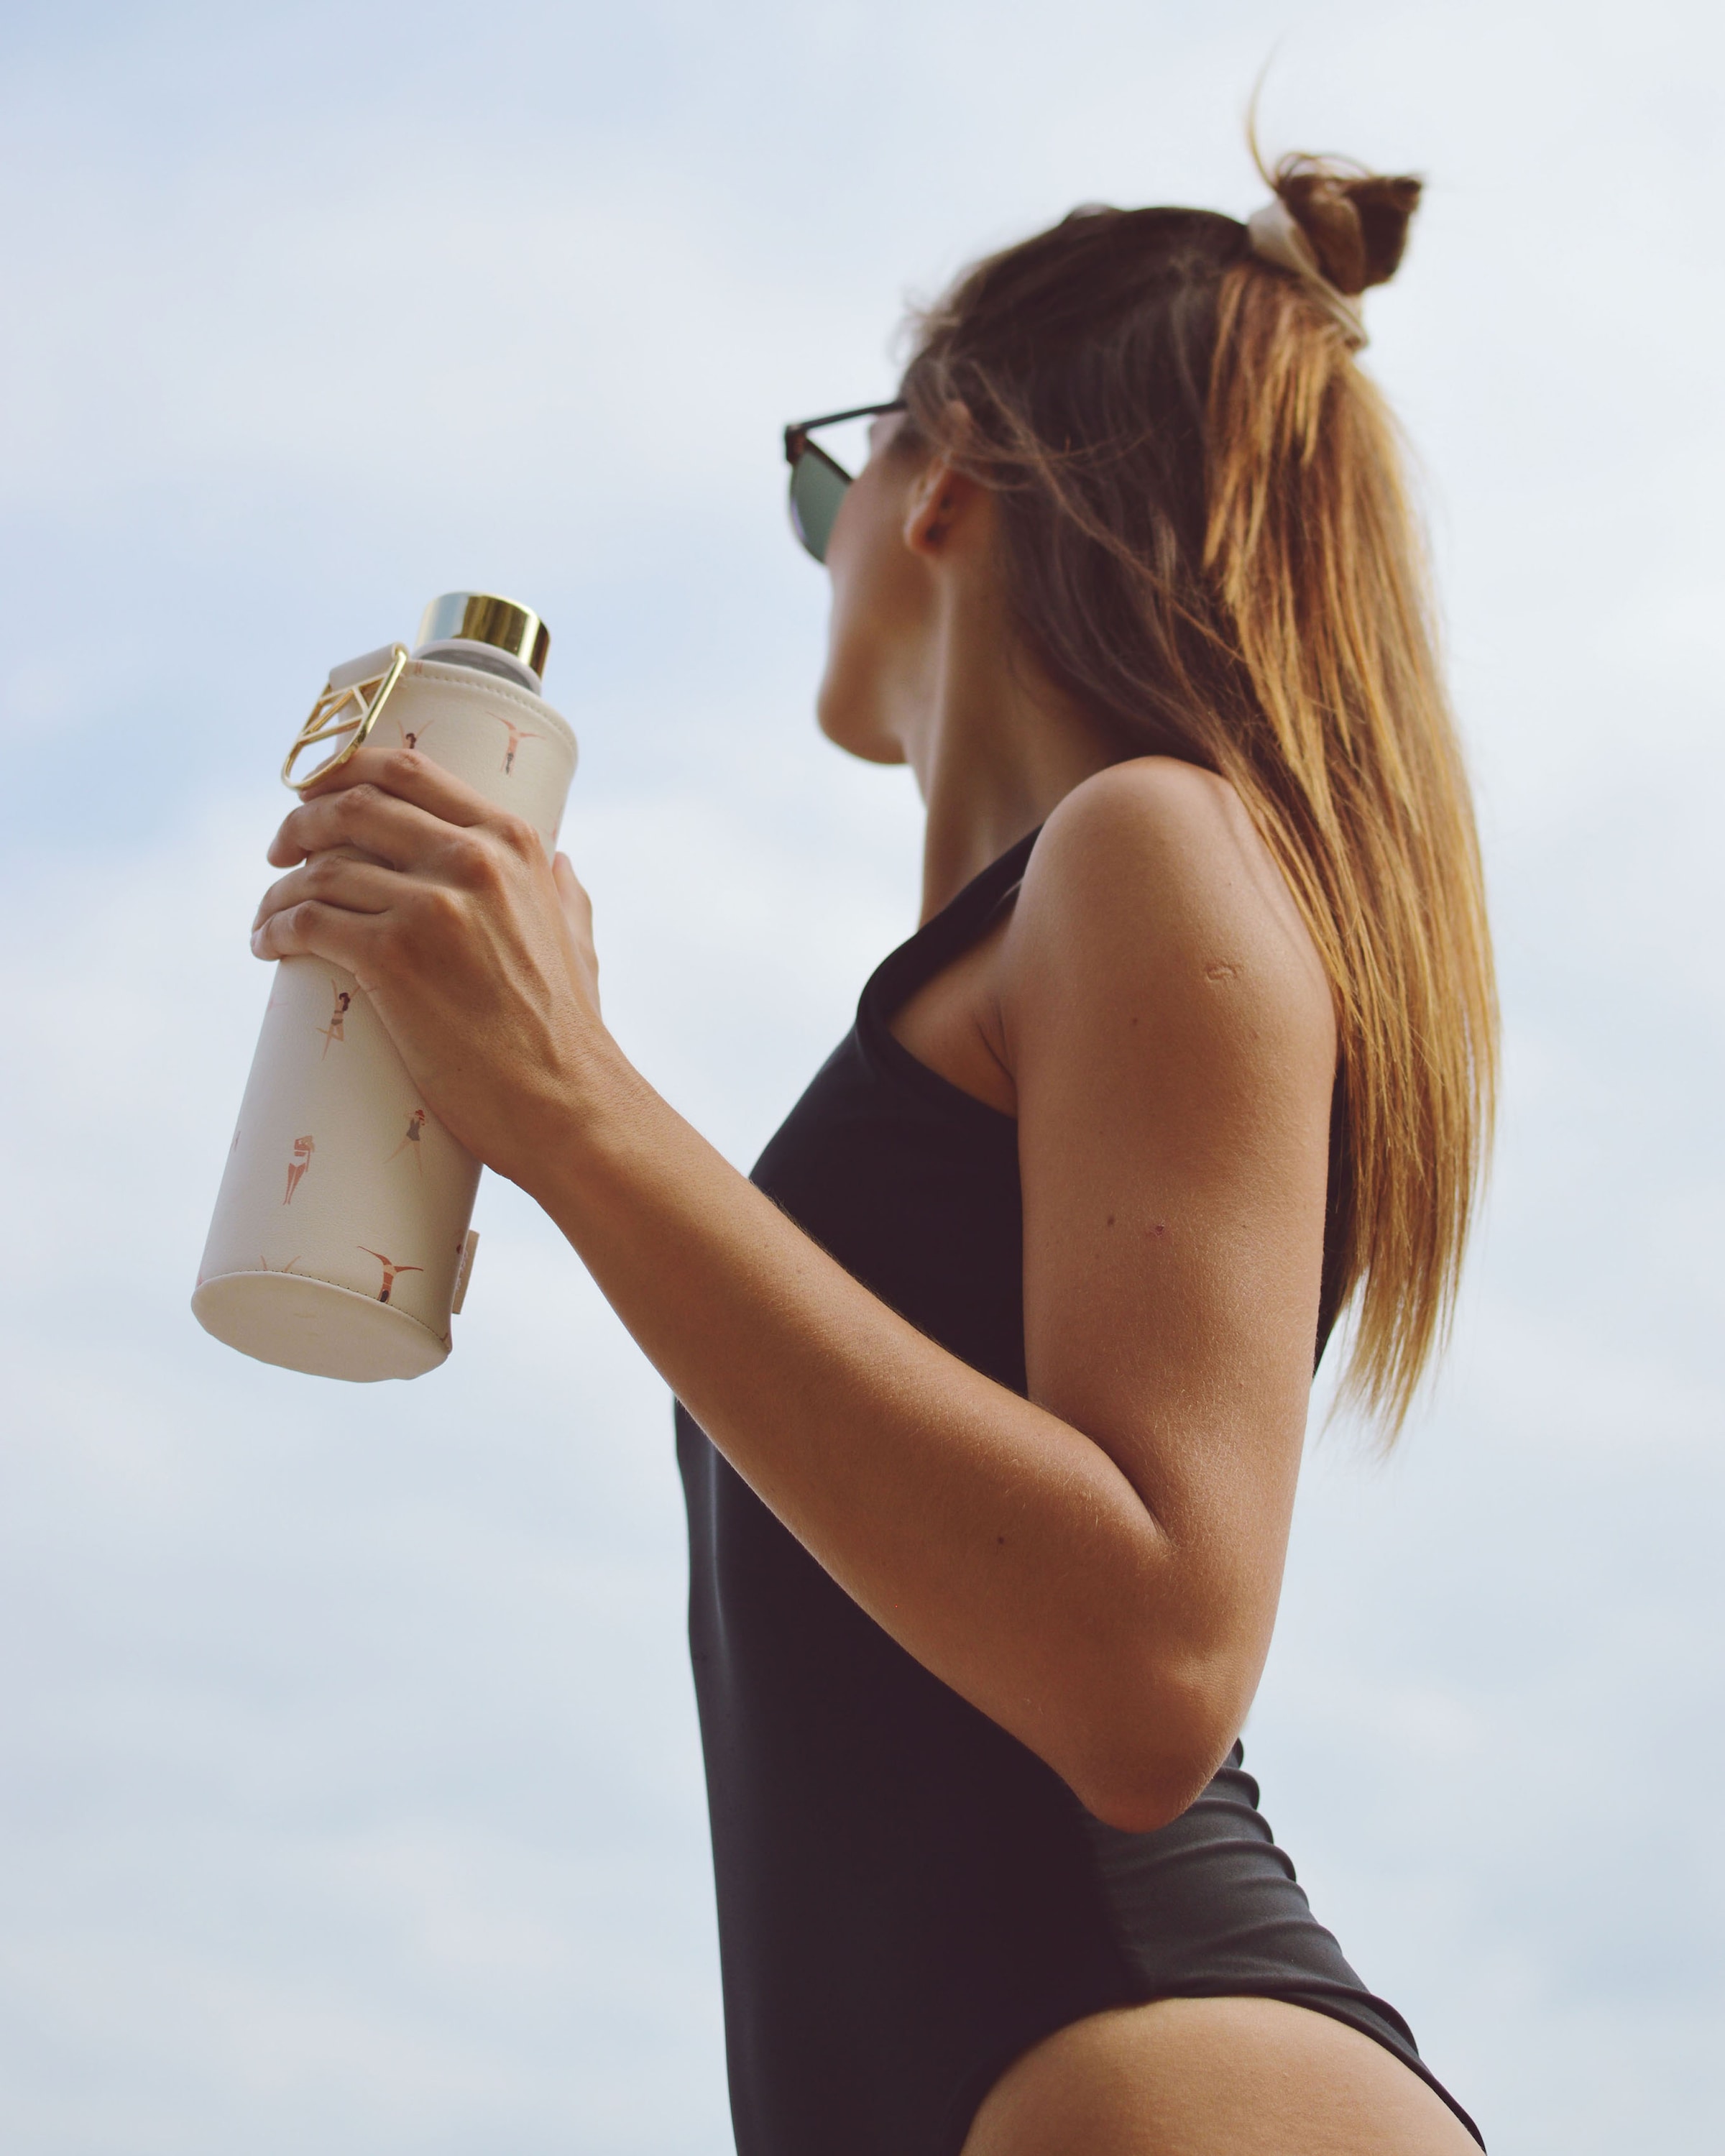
{"type": "Point", "coordinates": [476, 951]}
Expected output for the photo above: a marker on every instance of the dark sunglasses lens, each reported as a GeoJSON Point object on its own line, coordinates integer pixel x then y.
{"type": "Point", "coordinates": [817, 488]}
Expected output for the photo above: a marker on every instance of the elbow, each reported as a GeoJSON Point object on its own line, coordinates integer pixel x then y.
{"type": "Point", "coordinates": [1137, 1801]}
{"type": "Point", "coordinates": [1157, 1755]}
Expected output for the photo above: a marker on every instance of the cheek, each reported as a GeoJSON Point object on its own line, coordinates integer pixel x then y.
{"type": "Point", "coordinates": [882, 606]}
{"type": "Point", "coordinates": [848, 704]}
{"type": "Point", "coordinates": [876, 589]}
{"type": "Point", "coordinates": [859, 624]}
{"type": "Point", "coordinates": [852, 576]}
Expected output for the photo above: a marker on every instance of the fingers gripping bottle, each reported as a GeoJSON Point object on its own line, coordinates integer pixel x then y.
{"type": "Point", "coordinates": [341, 1243]}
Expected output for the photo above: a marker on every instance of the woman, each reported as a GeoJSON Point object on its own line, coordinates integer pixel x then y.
{"type": "Point", "coordinates": [994, 1382]}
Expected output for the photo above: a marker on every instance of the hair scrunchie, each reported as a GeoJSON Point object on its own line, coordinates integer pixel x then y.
{"type": "Point", "coordinates": [1276, 237]}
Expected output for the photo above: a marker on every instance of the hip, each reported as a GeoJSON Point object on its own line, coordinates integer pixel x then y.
{"type": "Point", "coordinates": [1214, 2076]}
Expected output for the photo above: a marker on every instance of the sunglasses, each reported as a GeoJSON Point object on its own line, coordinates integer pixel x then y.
{"type": "Point", "coordinates": [818, 480]}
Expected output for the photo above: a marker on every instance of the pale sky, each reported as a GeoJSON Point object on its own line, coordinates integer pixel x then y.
{"type": "Point", "coordinates": [350, 1797]}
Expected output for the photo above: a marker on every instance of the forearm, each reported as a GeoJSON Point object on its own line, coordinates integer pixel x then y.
{"type": "Point", "coordinates": [1001, 1547]}
{"type": "Point", "coordinates": [1102, 1586]}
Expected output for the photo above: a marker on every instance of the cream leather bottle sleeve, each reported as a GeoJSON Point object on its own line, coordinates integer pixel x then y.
{"type": "Point", "coordinates": [341, 1240]}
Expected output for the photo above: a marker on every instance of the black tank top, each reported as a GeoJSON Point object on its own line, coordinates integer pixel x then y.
{"type": "Point", "coordinates": [909, 1898]}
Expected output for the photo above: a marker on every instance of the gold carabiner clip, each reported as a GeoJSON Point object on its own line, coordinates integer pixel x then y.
{"type": "Point", "coordinates": [353, 709]}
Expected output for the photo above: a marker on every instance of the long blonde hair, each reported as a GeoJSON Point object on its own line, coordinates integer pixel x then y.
{"type": "Point", "coordinates": [1208, 538]}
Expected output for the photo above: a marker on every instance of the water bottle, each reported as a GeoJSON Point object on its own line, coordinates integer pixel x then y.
{"type": "Point", "coordinates": [340, 1243]}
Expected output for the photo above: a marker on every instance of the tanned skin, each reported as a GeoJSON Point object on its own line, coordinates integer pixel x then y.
{"type": "Point", "coordinates": [1097, 1566]}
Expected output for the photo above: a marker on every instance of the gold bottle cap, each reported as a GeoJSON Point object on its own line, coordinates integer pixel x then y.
{"type": "Point", "coordinates": [483, 618]}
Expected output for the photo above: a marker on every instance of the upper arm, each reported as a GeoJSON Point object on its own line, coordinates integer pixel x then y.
{"type": "Point", "coordinates": [1172, 1041]}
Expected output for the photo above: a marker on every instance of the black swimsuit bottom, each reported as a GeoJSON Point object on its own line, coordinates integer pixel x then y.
{"type": "Point", "coordinates": [908, 1897]}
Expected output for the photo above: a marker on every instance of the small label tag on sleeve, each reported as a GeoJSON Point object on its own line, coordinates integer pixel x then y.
{"type": "Point", "coordinates": [463, 1270]}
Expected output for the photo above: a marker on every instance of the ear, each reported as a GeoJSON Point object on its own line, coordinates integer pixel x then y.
{"type": "Point", "coordinates": [945, 506]}
{"type": "Point", "coordinates": [945, 503]}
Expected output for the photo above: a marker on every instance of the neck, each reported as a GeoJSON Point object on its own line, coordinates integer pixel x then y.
{"type": "Point", "coordinates": [995, 751]}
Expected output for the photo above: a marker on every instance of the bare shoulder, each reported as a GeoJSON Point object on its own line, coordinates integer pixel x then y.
{"type": "Point", "coordinates": [1151, 879]}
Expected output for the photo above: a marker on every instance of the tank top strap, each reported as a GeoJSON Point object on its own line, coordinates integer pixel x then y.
{"type": "Point", "coordinates": [961, 921]}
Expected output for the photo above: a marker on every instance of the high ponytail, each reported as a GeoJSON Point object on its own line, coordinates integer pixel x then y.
{"type": "Point", "coordinates": [1208, 540]}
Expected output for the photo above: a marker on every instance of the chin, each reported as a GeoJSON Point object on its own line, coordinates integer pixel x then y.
{"type": "Point", "coordinates": [848, 724]}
